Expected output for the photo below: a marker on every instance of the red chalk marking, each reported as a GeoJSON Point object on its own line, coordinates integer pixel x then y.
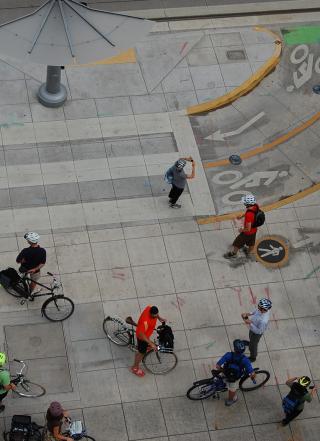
{"type": "Point", "coordinates": [238, 291]}
{"type": "Point", "coordinates": [253, 297]}
{"type": "Point", "coordinates": [118, 275]}
{"type": "Point", "coordinates": [180, 301]}
{"type": "Point", "coordinates": [174, 304]}
{"type": "Point", "coordinates": [276, 378]}
{"type": "Point", "coordinates": [267, 291]}
{"type": "Point", "coordinates": [183, 47]}
{"type": "Point", "coordinates": [275, 320]}
{"type": "Point", "coordinates": [288, 374]}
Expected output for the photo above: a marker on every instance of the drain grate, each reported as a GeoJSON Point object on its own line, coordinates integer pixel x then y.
{"type": "Point", "coordinates": [236, 55]}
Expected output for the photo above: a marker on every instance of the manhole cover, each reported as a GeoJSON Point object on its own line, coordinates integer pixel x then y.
{"type": "Point", "coordinates": [236, 55]}
{"type": "Point", "coordinates": [272, 251]}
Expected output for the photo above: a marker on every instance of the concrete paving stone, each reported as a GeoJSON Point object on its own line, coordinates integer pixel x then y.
{"type": "Point", "coordinates": [289, 363]}
{"type": "Point", "coordinates": [101, 213]}
{"type": "Point", "coordinates": [206, 77]}
{"type": "Point", "coordinates": [235, 74]}
{"type": "Point", "coordinates": [131, 389]}
{"type": "Point", "coordinates": [117, 106]}
{"type": "Point", "coordinates": [95, 190]}
{"type": "Point", "coordinates": [301, 307]}
{"type": "Point", "coordinates": [27, 196]}
{"type": "Point", "coordinates": [93, 150]}
{"type": "Point", "coordinates": [35, 341]}
{"type": "Point", "coordinates": [98, 387]}
{"type": "Point", "coordinates": [282, 334]}
{"type": "Point", "coordinates": [199, 436]}
{"type": "Point", "coordinates": [250, 36]}
{"type": "Point", "coordinates": [176, 382]}
{"type": "Point", "coordinates": [191, 275]}
{"type": "Point", "coordinates": [309, 328]}
{"type": "Point", "coordinates": [181, 100]}
{"type": "Point", "coordinates": [210, 94]}
{"type": "Point", "coordinates": [76, 109]}
{"type": "Point", "coordinates": [225, 38]}
{"type": "Point", "coordinates": [178, 80]}
{"type": "Point", "coordinates": [144, 412]}
{"type": "Point", "coordinates": [308, 429]}
{"type": "Point", "coordinates": [121, 173]}
{"type": "Point", "coordinates": [239, 433]}
{"type": "Point", "coordinates": [55, 152]}
{"type": "Point", "coordinates": [8, 244]}
{"type": "Point", "coordinates": [184, 247]}
{"type": "Point", "coordinates": [104, 235]}
{"type": "Point", "coordinates": [18, 134]}
{"type": "Point", "coordinates": [118, 126]}
{"type": "Point", "coordinates": [9, 303]}
{"type": "Point", "coordinates": [5, 198]}
{"type": "Point", "coordinates": [153, 123]}
{"type": "Point", "coordinates": [153, 280]}
{"type": "Point", "coordinates": [131, 186]}
{"type": "Point", "coordinates": [92, 355]}
{"type": "Point", "coordinates": [62, 193]}
{"type": "Point", "coordinates": [85, 128]}
{"type": "Point", "coordinates": [24, 175]}
{"type": "Point", "coordinates": [205, 41]}
{"type": "Point", "coordinates": [50, 131]}
{"type": "Point", "coordinates": [183, 415]}
{"type": "Point", "coordinates": [168, 306]}
{"type": "Point", "coordinates": [8, 72]}
{"type": "Point", "coordinates": [146, 251]}
{"type": "Point", "coordinates": [41, 113]}
{"type": "Point", "coordinates": [116, 284]}
{"type": "Point", "coordinates": [208, 342]}
{"type": "Point", "coordinates": [313, 358]}
{"type": "Point", "coordinates": [123, 147]}
{"type": "Point", "coordinates": [126, 161]}
{"type": "Point", "coordinates": [21, 156]}
{"type": "Point", "coordinates": [148, 230]}
{"type": "Point", "coordinates": [148, 103]}
{"type": "Point", "coordinates": [261, 405]}
{"type": "Point", "coordinates": [257, 273]}
{"type": "Point", "coordinates": [86, 322]}
{"type": "Point", "coordinates": [71, 238]}
{"type": "Point", "coordinates": [159, 186]}
{"type": "Point", "coordinates": [265, 432]}
{"type": "Point", "coordinates": [74, 258]}
{"type": "Point", "coordinates": [62, 216]}
{"type": "Point", "coordinates": [202, 56]}
{"type": "Point", "coordinates": [206, 305]}
{"type": "Point", "coordinates": [106, 423]}
{"type": "Point", "coordinates": [81, 287]}
{"type": "Point", "coordinates": [13, 92]}
{"type": "Point", "coordinates": [108, 255]}
{"type": "Point", "coordinates": [158, 144]}
{"type": "Point", "coordinates": [260, 52]}
{"type": "Point", "coordinates": [189, 226]}
{"type": "Point", "coordinates": [11, 113]}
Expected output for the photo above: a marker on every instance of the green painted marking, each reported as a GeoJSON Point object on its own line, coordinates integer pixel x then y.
{"type": "Point", "coordinates": [301, 35]}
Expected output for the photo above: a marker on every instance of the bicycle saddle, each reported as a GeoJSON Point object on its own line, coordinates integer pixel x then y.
{"type": "Point", "coordinates": [130, 321]}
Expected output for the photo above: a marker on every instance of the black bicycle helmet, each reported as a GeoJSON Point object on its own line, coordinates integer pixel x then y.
{"type": "Point", "coordinates": [239, 346]}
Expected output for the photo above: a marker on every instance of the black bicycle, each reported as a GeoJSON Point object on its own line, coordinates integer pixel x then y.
{"type": "Point", "coordinates": [56, 309]}
{"type": "Point", "coordinates": [208, 387]}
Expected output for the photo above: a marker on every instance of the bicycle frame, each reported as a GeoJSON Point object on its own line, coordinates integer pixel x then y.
{"type": "Point", "coordinates": [55, 284]}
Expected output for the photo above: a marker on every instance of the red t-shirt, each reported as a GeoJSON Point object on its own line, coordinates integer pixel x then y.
{"type": "Point", "coordinates": [146, 323]}
{"type": "Point", "coordinates": [249, 218]}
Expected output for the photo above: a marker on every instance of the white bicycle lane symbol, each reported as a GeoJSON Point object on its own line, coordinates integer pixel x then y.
{"type": "Point", "coordinates": [234, 179]}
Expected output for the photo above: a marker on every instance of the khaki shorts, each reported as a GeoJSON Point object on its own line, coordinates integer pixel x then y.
{"type": "Point", "coordinates": [35, 276]}
{"type": "Point", "coordinates": [233, 386]}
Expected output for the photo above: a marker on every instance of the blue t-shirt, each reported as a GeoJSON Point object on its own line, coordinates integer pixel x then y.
{"type": "Point", "coordinates": [244, 362]}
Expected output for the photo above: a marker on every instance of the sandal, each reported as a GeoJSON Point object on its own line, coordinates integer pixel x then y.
{"type": "Point", "coordinates": [137, 371]}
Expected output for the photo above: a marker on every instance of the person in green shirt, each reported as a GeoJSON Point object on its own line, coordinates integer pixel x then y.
{"type": "Point", "coordinates": [293, 403]}
{"type": "Point", "coordinates": [5, 381]}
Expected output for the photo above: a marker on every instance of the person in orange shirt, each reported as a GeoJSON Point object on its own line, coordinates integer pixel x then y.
{"type": "Point", "coordinates": [145, 327]}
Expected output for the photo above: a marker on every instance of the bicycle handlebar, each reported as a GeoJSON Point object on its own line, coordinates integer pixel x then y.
{"type": "Point", "coordinates": [23, 365]}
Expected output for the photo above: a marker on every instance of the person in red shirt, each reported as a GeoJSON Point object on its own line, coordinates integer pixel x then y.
{"type": "Point", "coordinates": [247, 236]}
{"type": "Point", "coordinates": [145, 327]}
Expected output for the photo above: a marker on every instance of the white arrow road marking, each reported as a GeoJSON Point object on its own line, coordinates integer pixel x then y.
{"type": "Point", "coordinates": [312, 238]}
{"type": "Point", "coordinates": [218, 136]}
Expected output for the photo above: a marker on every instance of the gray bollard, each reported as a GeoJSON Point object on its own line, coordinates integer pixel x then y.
{"type": "Point", "coordinates": [52, 93]}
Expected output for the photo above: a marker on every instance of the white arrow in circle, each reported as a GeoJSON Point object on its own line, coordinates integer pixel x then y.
{"type": "Point", "coordinates": [312, 238]}
{"type": "Point", "coordinates": [218, 136]}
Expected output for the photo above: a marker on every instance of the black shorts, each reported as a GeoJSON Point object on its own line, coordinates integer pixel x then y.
{"type": "Point", "coordinates": [142, 346]}
{"type": "Point", "coordinates": [244, 239]}
{"type": "Point", "coordinates": [2, 396]}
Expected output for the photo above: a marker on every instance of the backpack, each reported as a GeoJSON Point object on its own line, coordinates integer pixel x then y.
{"type": "Point", "coordinates": [21, 428]}
{"type": "Point", "coordinates": [9, 277]}
{"type": "Point", "coordinates": [232, 369]}
{"type": "Point", "coordinates": [259, 218]}
{"type": "Point", "coordinates": [293, 399]}
{"type": "Point", "coordinates": [168, 176]}
{"type": "Point", "coordinates": [165, 336]}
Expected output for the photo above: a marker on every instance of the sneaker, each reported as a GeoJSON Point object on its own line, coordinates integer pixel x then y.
{"type": "Point", "coordinates": [229, 255]}
{"type": "Point", "coordinates": [230, 402]}
{"type": "Point", "coordinates": [2, 407]}
{"type": "Point", "coordinates": [174, 205]}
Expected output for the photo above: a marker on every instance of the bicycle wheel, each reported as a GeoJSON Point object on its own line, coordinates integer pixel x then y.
{"type": "Point", "coordinates": [246, 384]}
{"type": "Point", "coordinates": [160, 362]}
{"type": "Point", "coordinates": [29, 389]}
{"type": "Point", "coordinates": [88, 437]}
{"type": "Point", "coordinates": [57, 308]}
{"type": "Point", "coordinates": [117, 331]}
{"type": "Point", "coordinates": [19, 290]}
{"type": "Point", "coordinates": [201, 390]}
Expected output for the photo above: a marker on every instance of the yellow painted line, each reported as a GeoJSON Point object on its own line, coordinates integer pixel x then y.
{"type": "Point", "coordinates": [128, 56]}
{"type": "Point", "coordinates": [270, 145]}
{"type": "Point", "coordinates": [245, 87]}
{"type": "Point", "coordinates": [295, 197]}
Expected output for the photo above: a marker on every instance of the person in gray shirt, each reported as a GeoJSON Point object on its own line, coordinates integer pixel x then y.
{"type": "Point", "coordinates": [258, 322]}
{"type": "Point", "coordinates": [179, 179]}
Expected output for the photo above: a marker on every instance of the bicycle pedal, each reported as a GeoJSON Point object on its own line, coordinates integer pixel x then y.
{"type": "Point", "coordinates": [22, 302]}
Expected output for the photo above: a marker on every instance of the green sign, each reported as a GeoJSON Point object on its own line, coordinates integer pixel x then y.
{"type": "Point", "coordinates": [301, 35]}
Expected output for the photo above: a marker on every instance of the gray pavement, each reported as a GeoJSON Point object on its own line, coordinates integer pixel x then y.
{"type": "Point", "coordinates": [89, 178]}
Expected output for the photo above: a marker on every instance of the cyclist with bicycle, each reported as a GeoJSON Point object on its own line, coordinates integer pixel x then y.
{"type": "Point", "coordinates": [5, 381]}
{"type": "Point", "coordinates": [55, 418]}
{"type": "Point", "coordinates": [32, 259]}
{"type": "Point", "coordinates": [145, 327]}
{"type": "Point", "coordinates": [234, 365]}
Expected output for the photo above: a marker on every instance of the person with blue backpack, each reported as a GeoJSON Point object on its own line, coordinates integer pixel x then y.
{"type": "Point", "coordinates": [293, 403]}
{"type": "Point", "coordinates": [234, 365]}
{"type": "Point", "coordinates": [177, 178]}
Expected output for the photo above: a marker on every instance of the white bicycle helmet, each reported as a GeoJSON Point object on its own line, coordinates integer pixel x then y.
{"type": "Point", "coordinates": [180, 164]}
{"type": "Point", "coordinates": [265, 304]}
{"type": "Point", "coordinates": [248, 199]}
{"type": "Point", "coordinates": [32, 237]}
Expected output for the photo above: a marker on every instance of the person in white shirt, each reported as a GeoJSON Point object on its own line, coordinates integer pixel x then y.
{"type": "Point", "coordinates": [258, 322]}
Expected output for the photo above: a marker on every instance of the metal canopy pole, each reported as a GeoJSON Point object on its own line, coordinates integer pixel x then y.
{"type": "Point", "coordinates": [52, 93]}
